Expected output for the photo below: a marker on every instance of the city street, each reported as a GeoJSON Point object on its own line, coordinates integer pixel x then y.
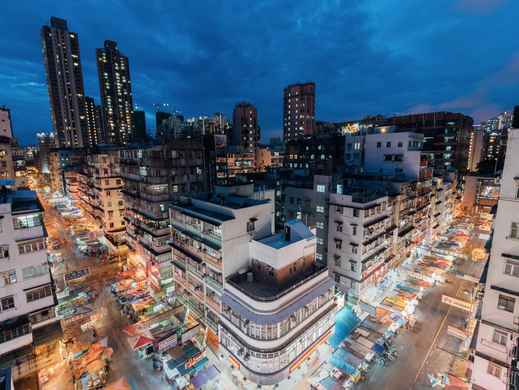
{"type": "Point", "coordinates": [429, 350]}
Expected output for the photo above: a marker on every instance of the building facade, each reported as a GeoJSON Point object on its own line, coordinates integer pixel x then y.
{"type": "Point", "coordinates": [446, 138]}
{"type": "Point", "coordinates": [27, 296]}
{"type": "Point", "coordinates": [65, 81]}
{"type": "Point", "coordinates": [497, 339]}
{"type": "Point", "coordinates": [116, 93]}
{"type": "Point", "coordinates": [100, 191]}
{"type": "Point", "coordinates": [90, 116]}
{"type": "Point", "coordinates": [153, 177]}
{"type": "Point", "coordinates": [236, 275]}
{"type": "Point", "coordinates": [245, 127]}
{"type": "Point", "coordinates": [298, 111]}
{"type": "Point", "coordinates": [475, 148]}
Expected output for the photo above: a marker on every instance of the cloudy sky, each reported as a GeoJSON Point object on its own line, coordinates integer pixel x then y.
{"type": "Point", "coordinates": [366, 56]}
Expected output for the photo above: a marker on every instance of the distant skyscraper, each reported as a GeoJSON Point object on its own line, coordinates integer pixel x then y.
{"type": "Point", "coordinates": [161, 117]}
{"type": "Point", "coordinates": [298, 111]}
{"type": "Point", "coordinates": [64, 80]}
{"type": "Point", "coordinates": [245, 128]}
{"type": "Point", "coordinates": [116, 93]}
{"type": "Point", "coordinates": [139, 126]}
{"type": "Point", "coordinates": [90, 120]}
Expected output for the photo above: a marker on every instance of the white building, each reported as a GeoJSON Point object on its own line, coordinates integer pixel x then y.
{"type": "Point", "coordinates": [26, 287]}
{"type": "Point", "coordinates": [499, 325]}
{"type": "Point", "coordinates": [393, 154]}
{"type": "Point", "coordinates": [361, 235]}
{"type": "Point", "coordinates": [263, 294]}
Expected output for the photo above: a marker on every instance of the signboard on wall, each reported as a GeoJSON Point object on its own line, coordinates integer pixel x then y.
{"type": "Point", "coordinates": [457, 303]}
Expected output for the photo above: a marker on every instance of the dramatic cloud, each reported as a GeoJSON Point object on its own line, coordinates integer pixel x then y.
{"type": "Point", "coordinates": [367, 57]}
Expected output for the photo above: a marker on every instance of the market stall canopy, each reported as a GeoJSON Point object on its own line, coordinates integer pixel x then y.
{"type": "Point", "coordinates": [138, 342]}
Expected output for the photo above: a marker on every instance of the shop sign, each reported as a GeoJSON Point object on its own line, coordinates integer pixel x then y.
{"type": "Point", "coordinates": [167, 343]}
{"type": "Point", "coordinates": [76, 274]}
{"type": "Point", "coordinates": [193, 360]}
{"type": "Point", "coordinates": [457, 303]}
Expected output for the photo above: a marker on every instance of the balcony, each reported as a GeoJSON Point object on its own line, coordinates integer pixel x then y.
{"type": "Point", "coordinates": [192, 251]}
{"type": "Point", "coordinates": [212, 239]}
{"type": "Point", "coordinates": [214, 284]}
{"type": "Point", "coordinates": [15, 333]}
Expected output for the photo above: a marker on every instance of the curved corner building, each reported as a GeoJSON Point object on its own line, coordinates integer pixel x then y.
{"type": "Point", "coordinates": [279, 308]}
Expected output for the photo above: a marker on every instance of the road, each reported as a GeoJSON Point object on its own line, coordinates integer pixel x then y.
{"type": "Point", "coordinates": [430, 350]}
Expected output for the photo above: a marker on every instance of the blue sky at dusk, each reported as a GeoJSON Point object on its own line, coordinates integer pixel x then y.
{"type": "Point", "coordinates": [366, 57]}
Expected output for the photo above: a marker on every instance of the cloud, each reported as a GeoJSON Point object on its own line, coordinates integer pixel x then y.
{"type": "Point", "coordinates": [365, 57]}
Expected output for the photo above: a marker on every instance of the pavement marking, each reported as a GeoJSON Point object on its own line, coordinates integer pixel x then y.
{"type": "Point", "coordinates": [437, 334]}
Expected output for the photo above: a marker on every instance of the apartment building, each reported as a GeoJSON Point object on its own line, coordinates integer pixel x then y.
{"type": "Point", "coordinates": [100, 192]}
{"type": "Point", "coordinates": [153, 177]}
{"type": "Point", "coordinates": [306, 198]}
{"type": "Point", "coordinates": [264, 294]}
{"type": "Point", "coordinates": [278, 308]}
{"type": "Point", "coordinates": [375, 224]}
{"type": "Point", "coordinates": [206, 230]}
{"type": "Point", "coordinates": [26, 287]}
{"type": "Point", "coordinates": [361, 239]}
{"type": "Point", "coordinates": [495, 359]}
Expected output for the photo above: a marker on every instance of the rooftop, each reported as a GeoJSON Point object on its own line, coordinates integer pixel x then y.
{"type": "Point", "coordinates": [265, 291]}
{"type": "Point", "coordinates": [22, 201]}
{"type": "Point", "coordinates": [232, 201]}
{"type": "Point", "coordinates": [297, 231]}
{"type": "Point", "coordinates": [210, 216]}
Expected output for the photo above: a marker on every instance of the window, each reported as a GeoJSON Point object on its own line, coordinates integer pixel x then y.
{"type": "Point", "coordinates": [31, 246]}
{"type": "Point", "coordinates": [7, 303]}
{"type": "Point", "coordinates": [400, 144]}
{"type": "Point", "coordinates": [34, 271]}
{"type": "Point", "coordinates": [338, 244]}
{"type": "Point", "coordinates": [512, 268]}
{"type": "Point", "coordinates": [337, 261]}
{"type": "Point", "coordinates": [354, 230]}
{"type": "Point", "coordinates": [320, 225]}
{"type": "Point", "coordinates": [379, 145]}
{"type": "Point", "coordinates": [352, 264]}
{"type": "Point", "coordinates": [514, 230]}
{"type": "Point", "coordinates": [356, 212]}
{"type": "Point", "coordinates": [354, 249]}
{"type": "Point", "coordinates": [27, 221]}
{"type": "Point", "coordinates": [321, 188]}
{"type": "Point", "coordinates": [499, 337]}
{"type": "Point", "coordinates": [494, 370]}
{"type": "Point", "coordinates": [339, 227]}
{"type": "Point", "coordinates": [320, 241]}
{"type": "Point", "coordinates": [4, 251]}
{"type": "Point", "coordinates": [506, 303]}
{"type": "Point", "coordinates": [319, 209]}
{"type": "Point", "coordinates": [8, 277]}
{"type": "Point", "coordinates": [39, 293]}
{"type": "Point", "coordinates": [388, 144]}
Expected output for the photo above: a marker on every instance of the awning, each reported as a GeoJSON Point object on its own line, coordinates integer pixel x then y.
{"type": "Point", "coordinates": [138, 342]}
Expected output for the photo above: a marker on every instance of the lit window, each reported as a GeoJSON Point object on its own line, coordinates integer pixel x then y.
{"type": "Point", "coordinates": [321, 188]}
{"type": "Point", "coordinates": [506, 303]}
{"type": "Point", "coordinates": [319, 209]}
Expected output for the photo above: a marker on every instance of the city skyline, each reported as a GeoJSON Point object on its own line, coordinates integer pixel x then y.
{"type": "Point", "coordinates": [205, 64]}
